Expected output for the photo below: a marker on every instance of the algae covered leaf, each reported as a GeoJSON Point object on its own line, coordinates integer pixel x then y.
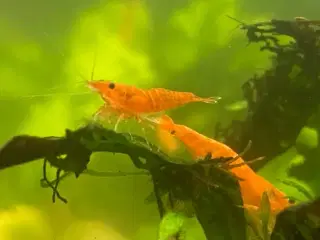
{"type": "Point", "coordinates": [260, 220]}
{"type": "Point", "coordinates": [265, 214]}
{"type": "Point", "coordinates": [171, 226]}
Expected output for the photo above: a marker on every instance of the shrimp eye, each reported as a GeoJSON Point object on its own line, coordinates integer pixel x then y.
{"type": "Point", "coordinates": [173, 132]}
{"type": "Point", "coordinates": [112, 85]}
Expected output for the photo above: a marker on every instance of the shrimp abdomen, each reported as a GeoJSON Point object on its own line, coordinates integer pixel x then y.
{"type": "Point", "coordinates": [163, 99]}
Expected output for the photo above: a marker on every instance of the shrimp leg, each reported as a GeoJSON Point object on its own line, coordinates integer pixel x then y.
{"type": "Point", "coordinates": [129, 132]}
{"type": "Point", "coordinates": [145, 135]}
{"type": "Point", "coordinates": [104, 113]}
{"type": "Point", "coordinates": [121, 117]}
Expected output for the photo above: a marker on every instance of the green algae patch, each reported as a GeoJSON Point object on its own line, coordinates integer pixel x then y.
{"type": "Point", "coordinates": [308, 138]}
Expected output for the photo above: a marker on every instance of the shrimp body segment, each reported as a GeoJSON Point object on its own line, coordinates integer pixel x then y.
{"type": "Point", "coordinates": [140, 101]}
{"type": "Point", "coordinates": [253, 185]}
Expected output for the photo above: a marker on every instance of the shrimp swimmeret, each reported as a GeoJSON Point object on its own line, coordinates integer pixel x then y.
{"type": "Point", "coordinates": [109, 109]}
{"type": "Point", "coordinates": [252, 186]}
{"type": "Point", "coordinates": [136, 101]}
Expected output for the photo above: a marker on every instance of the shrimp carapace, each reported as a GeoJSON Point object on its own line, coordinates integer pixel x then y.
{"type": "Point", "coordinates": [167, 140]}
{"type": "Point", "coordinates": [112, 105]}
{"type": "Point", "coordinates": [141, 101]}
{"type": "Point", "coordinates": [252, 186]}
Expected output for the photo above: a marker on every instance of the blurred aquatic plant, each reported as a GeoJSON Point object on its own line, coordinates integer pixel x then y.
{"type": "Point", "coordinates": [284, 97]}
{"type": "Point", "coordinates": [20, 50]}
{"type": "Point", "coordinates": [91, 230]}
{"type": "Point", "coordinates": [111, 33]}
{"type": "Point", "coordinates": [260, 220]}
{"type": "Point", "coordinates": [171, 226]}
{"type": "Point", "coordinates": [195, 28]}
{"type": "Point", "coordinates": [300, 188]}
{"type": "Point", "coordinates": [24, 222]}
{"type": "Point", "coordinates": [307, 138]}
{"type": "Point", "coordinates": [279, 103]}
{"type": "Point", "coordinates": [298, 222]}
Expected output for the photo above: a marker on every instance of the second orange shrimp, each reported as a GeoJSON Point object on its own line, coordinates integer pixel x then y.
{"type": "Point", "coordinates": [252, 187]}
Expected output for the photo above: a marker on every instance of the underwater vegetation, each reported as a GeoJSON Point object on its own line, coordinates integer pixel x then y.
{"type": "Point", "coordinates": [284, 97]}
{"type": "Point", "coordinates": [208, 187]}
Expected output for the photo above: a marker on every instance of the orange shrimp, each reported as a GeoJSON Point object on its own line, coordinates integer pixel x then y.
{"type": "Point", "coordinates": [252, 187]}
{"type": "Point", "coordinates": [138, 101]}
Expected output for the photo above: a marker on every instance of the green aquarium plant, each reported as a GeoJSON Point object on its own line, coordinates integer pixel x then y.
{"type": "Point", "coordinates": [280, 101]}
{"type": "Point", "coordinates": [171, 226]}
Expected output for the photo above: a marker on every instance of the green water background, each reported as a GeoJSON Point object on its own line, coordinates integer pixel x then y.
{"type": "Point", "coordinates": [48, 47]}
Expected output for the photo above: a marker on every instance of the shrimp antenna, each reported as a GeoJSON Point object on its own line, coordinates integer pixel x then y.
{"type": "Point", "coordinates": [243, 24]}
{"type": "Point", "coordinates": [94, 63]}
{"type": "Point", "coordinates": [234, 19]}
{"type": "Point", "coordinates": [238, 26]}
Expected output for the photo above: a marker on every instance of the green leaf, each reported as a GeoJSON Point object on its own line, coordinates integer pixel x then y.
{"type": "Point", "coordinates": [253, 222]}
{"type": "Point", "coordinates": [305, 232]}
{"type": "Point", "coordinates": [237, 106]}
{"type": "Point", "coordinates": [299, 187]}
{"type": "Point", "coordinates": [171, 225]}
{"type": "Point", "coordinates": [265, 213]}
